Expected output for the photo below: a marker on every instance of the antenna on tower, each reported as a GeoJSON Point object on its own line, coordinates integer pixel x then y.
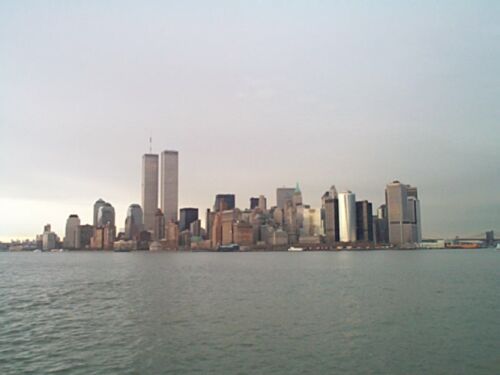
{"type": "Point", "coordinates": [150, 144]}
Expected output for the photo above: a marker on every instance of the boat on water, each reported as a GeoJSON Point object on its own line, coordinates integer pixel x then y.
{"type": "Point", "coordinates": [37, 251]}
{"type": "Point", "coordinates": [498, 246]}
{"type": "Point", "coordinates": [121, 250]}
{"type": "Point", "coordinates": [292, 248]}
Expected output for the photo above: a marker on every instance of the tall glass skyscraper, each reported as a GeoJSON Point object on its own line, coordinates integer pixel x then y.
{"type": "Point", "coordinates": [149, 189]}
{"type": "Point", "coordinates": [98, 204]}
{"type": "Point", "coordinates": [403, 214]}
{"type": "Point", "coordinates": [134, 222]}
{"type": "Point", "coordinates": [169, 189]}
{"type": "Point", "coordinates": [347, 216]}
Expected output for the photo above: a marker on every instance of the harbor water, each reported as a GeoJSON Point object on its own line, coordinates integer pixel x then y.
{"type": "Point", "coordinates": [358, 312]}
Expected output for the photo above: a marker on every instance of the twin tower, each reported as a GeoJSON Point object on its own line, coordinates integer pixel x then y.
{"type": "Point", "coordinates": [168, 184]}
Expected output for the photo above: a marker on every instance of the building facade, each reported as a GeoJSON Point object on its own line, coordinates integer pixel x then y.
{"type": "Point", "coordinates": [134, 222]}
{"type": "Point", "coordinates": [224, 202]}
{"type": "Point", "coordinates": [403, 214]}
{"type": "Point", "coordinates": [105, 215]}
{"type": "Point", "coordinates": [169, 185]}
{"type": "Point", "coordinates": [72, 235]}
{"type": "Point", "coordinates": [347, 216]}
{"type": "Point", "coordinates": [283, 195]}
{"type": "Point", "coordinates": [364, 221]}
{"type": "Point", "coordinates": [187, 216]}
{"type": "Point", "coordinates": [149, 189]}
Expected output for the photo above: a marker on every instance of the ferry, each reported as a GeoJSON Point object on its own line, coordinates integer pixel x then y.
{"type": "Point", "coordinates": [295, 249]}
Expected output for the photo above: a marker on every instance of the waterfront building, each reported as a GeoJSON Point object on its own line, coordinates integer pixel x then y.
{"type": "Point", "coordinates": [209, 219]}
{"type": "Point", "coordinates": [347, 216]}
{"type": "Point", "coordinates": [364, 221]}
{"type": "Point", "coordinates": [99, 203]}
{"type": "Point", "coordinates": [403, 214]}
{"type": "Point", "coordinates": [134, 222]}
{"type": "Point", "coordinates": [279, 238]}
{"type": "Point", "coordinates": [224, 202]}
{"type": "Point", "coordinates": [243, 233]}
{"type": "Point", "coordinates": [97, 240]}
{"type": "Point", "coordinates": [283, 195]}
{"type": "Point", "coordinates": [187, 216]}
{"type": "Point", "coordinates": [216, 230]}
{"type": "Point", "coordinates": [169, 190]}
{"type": "Point", "coordinates": [149, 189]}
{"type": "Point", "coordinates": [105, 215]}
{"type": "Point", "coordinates": [311, 226]}
{"type": "Point", "coordinates": [290, 222]}
{"type": "Point", "coordinates": [381, 225]}
{"type": "Point", "coordinates": [72, 235]}
{"type": "Point", "coordinates": [49, 241]}
{"type": "Point", "coordinates": [49, 238]}
{"type": "Point", "coordinates": [330, 215]}
{"type": "Point", "coordinates": [86, 233]}
{"type": "Point", "coordinates": [228, 217]}
{"type": "Point", "coordinates": [172, 235]}
{"type": "Point", "coordinates": [159, 226]}
{"type": "Point", "coordinates": [414, 218]}
{"type": "Point", "coordinates": [108, 236]}
{"type": "Point", "coordinates": [396, 196]}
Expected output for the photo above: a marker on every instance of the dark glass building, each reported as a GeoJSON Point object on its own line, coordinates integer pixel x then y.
{"type": "Point", "coordinates": [254, 203]}
{"type": "Point", "coordinates": [187, 216]}
{"type": "Point", "coordinates": [224, 202]}
{"type": "Point", "coordinates": [364, 221]}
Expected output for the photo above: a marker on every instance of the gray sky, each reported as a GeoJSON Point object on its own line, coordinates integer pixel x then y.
{"type": "Point", "coordinates": [254, 96]}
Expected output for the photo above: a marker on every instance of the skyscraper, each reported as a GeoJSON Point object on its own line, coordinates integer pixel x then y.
{"type": "Point", "coordinates": [364, 221]}
{"type": "Point", "coordinates": [159, 226]}
{"type": "Point", "coordinates": [347, 216]}
{"type": "Point", "coordinates": [169, 190]}
{"type": "Point", "coordinates": [403, 214]}
{"type": "Point", "coordinates": [283, 195]}
{"type": "Point", "coordinates": [99, 203]}
{"type": "Point", "coordinates": [330, 215]}
{"type": "Point", "coordinates": [187, 216]}
{"type": "Point", "coordinates": [72, 235]}
{"type": "Point", "coordinates": [224, 202]}
{"type": "Point", "coordinates": [149, 189]}
{"type": "Point", "coordinates": [105, 215]}
{"type": "Point", "coordinates": [134, 222]}
{"type": "Point", "coordinates": [254, 203]}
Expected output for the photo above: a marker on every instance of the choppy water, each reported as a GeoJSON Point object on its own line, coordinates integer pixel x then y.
{"type": "Point", "coordinates": [383, 312]}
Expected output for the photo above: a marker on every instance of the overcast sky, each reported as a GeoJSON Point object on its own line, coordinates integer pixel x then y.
{"type": "Point", "coordinates": [254, 96]}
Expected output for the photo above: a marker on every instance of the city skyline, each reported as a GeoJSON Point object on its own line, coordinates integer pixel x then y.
{"type": "Point", "coordinates": [99, 205]}
{"type": "Point", "coordinates": [407, 92]}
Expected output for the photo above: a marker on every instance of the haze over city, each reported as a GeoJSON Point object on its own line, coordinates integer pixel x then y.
{"type": "Point", "coordinates": [253, 97]}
